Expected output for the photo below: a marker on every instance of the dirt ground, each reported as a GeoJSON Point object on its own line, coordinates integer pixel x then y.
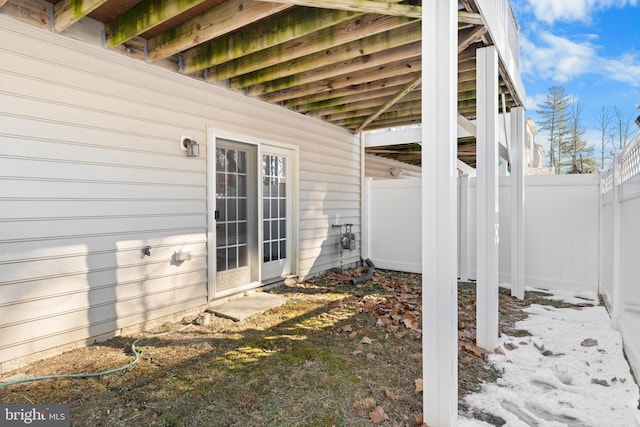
{"type": "Point", "coordinates": [333, 355]}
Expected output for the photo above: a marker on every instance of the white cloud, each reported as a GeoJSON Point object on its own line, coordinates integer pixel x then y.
{"type": "Point", "coordinates": [550, 11]}
{"type": "Point", "coordinates": [561, 60]}
{"type": "Point", "coordinates": [556, 58]}
{"type": "Point", "coordinates": [626, 69]}
{"type": "Point", "coordinates": [532, 101]}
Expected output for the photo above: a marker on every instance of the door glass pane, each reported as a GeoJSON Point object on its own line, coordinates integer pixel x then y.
{"type": "Point", "coordinates": [273, 204]}
{"type": "Point", "coordinates": [231, 204]}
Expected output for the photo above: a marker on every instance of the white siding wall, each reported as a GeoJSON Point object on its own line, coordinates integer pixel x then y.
{"type": "Point", "coordinates": [91, 172]}
{"type": "Point", "coordinates": [378, 167]}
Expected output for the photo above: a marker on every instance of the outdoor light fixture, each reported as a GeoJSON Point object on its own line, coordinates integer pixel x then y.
{"type": "Point", "coordinates": [188, 144]}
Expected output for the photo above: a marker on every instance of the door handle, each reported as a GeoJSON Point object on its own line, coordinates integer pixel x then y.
{"type": "Point", "coordinates": [216, 215]}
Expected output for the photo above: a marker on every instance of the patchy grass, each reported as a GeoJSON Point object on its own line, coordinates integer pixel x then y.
{"type": "Point", "coordinates": [328, 357]}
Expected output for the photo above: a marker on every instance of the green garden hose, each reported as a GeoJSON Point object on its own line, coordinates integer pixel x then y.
{"type": "Point", "coordinates": [135, 360]}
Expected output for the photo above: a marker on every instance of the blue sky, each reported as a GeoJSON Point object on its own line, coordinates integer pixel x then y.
{"type": "Point", "coordinates": [591, 48]}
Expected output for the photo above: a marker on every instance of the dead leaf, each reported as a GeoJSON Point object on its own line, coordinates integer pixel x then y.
{"type": "Point", "coordinates": [371, 356]}
{"type": "Point", "coordinates": [600, 382]}
{"type": "Point", "coordinates": [474, 349]}
{"type": "Point", "coordinates": [356, 352]}
{"type": "Point", "coordinates": [347, 328]}
{"type": "Point", "coordinates": [418, 385]}
{"type": "Point", "coordinates": [378, 415]}
{"type": "Point", "coordinates": [366, 340]}
{"type": "Point", "coordinates": [498, 351]}
{"type": "Point", "coordinates": [589, 342]}
{"type": "Point", "coordinates": [510, 346]}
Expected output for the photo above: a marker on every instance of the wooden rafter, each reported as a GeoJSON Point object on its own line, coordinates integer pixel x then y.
{"type": "Point", "coordinates": [217, 22]}
{"type": "Point", "coordinates": [364, 111]}
{"type": "Point", "coordinates": [470, 18]}
{"type": "Point", "coordinates": [369, 46]}
{"type": "Point", "coordinates": [352, 90]}
{"type": "Point", "coordinates": [144, 16]}
{"type": "Point", "coordinates": [467, 36]}
{"type": "Point", "coordinates": [326, 38]}
{"type": "Point", "coordinates": [381, 59]}
{"type": "Point", "coordinates": [357, 100]}
{"type": "Point", "coordinates": [391, 102]}
{"type": "Point", "coordinates": [398, 69]}
{"type": "Point", "coordinates": [68, 12]}
{"type": "Point", "coordinates": [363, 108]}
{"type": "Point", "coordinates": [366, 6]}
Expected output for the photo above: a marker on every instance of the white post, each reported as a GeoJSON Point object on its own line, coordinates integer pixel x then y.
{"type": "Point", "coordinates": [601, 234]}
{"type": "Point", "coordinates": [615, 205]}
{"type": "Point", "coordinates": [487, 192]}
{"type": "Point", "coordinates": [439, 254]}
{"type": "Point", "coordinates": [463, 241]}
{"type": "Point", "coordinates": [518, 165]}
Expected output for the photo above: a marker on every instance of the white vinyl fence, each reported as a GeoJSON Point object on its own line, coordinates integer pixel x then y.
{"type": "Point", "coordinates": [581, 234]}
{"type": "Point", "coordinates": [561, 229]}
{"type": "Point", "coordinates": [620, 234]}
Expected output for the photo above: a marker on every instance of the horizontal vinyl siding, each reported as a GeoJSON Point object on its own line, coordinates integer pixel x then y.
{"type": "Point", "coordinates": [91, 172]}
{"type": "Point", "coordinates": [378, 167]}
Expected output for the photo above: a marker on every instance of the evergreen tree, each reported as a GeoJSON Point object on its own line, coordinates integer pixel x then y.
{"type": "Point", "coordinates": [555, 119]}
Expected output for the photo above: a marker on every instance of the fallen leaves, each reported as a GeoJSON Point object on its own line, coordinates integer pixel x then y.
{"type": "Point", "coordinates": [366, 340]}
{"type": "Point", "coordinates": [603, 383]}
{"type": "Point", "coordinates": [419, 385]}
{"type": "Point", "coordinates": [378, 415]}
{"type": "Point", "coordinates": [589, 342]}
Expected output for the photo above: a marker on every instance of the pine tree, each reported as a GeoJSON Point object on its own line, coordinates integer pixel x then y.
{"type": "Point", "coordinates": [554, 111]}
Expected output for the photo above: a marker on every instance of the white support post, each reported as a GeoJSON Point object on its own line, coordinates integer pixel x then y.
{"type": "Point", "coordinates": [518, 165]}
{"type": "Point", "coordinates": [601, 250]}
{"type": "Point", "coordinates": [616, 297]}
{"type": "Point", "coordinates": [463, 241]}
{"type": "Point", "coordinates": [487, 204]}
{"type": "Point", "coordinates": [439, 253]}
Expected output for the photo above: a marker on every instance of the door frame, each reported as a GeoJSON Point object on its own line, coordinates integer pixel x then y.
{"type": "Point", "coordinates": [261, 144]}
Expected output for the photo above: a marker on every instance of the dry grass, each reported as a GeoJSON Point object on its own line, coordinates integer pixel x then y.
{"type": "Point", "coordinates": [328, 357]}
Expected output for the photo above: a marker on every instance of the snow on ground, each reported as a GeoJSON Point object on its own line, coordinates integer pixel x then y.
{"type": "Point", "coordinates": [571, 371]}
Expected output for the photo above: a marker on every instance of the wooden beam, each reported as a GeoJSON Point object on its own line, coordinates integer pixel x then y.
{"type": "Point", "coordinates": [397, 70]}
{"type": "Point", "coordinates": [144, 16]}
{"type": "Point", "coordinates": [366, 6]}
{"type": "Point", "coordinates": [469, 35]}
{"type": "Point", "coordinates": [68, 12]}
{"type": "Point", "coordinates": [325, 38]}
{"type": "Point", "coordinates": [230, 17]}
{"type": "Point", "coordinates": [412, 85]}
{"type": "Point", "coordinates": [367, 108]}
{"type": "Point", "coordinates": [367, 47]}
{"type": "Point", "coordinates": [350, 90]}
{"type": "Point", "coordinates": [381, 59]}
{"type": "Point", "coordinates": [332, 104]}
{"type": "Point", "coordinates": [470, 18]}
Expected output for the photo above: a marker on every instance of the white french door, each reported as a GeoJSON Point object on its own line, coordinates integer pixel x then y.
{"type": "Point", "coordinates": [236, 216]}
{"type": "Point", "coordinates": [277, 213]}
{"type": "Point", "coordinates": [251, 196]}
